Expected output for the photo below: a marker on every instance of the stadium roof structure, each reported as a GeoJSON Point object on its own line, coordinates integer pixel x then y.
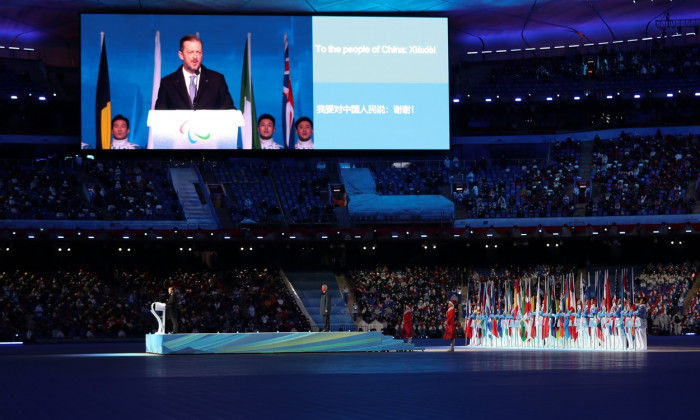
{"type": "Point", "coordinates": [475, 25]}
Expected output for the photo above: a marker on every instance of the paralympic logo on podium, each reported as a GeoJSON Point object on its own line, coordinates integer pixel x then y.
{"type": "Point", "coordinates": [194, 131]}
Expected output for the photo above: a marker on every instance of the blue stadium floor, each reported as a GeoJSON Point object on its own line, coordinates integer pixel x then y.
{"type": "Point", "coordinates": [120, 381]}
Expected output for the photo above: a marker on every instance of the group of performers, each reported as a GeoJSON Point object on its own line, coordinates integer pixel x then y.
{"type": "Point", "coordinates": [450, 329]}
{"type": "Point", "coordinates": [586, 328]}
{"type": "Point", "coordinates": [506, 314]}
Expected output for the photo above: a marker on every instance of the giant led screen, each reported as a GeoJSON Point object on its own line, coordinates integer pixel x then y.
{"type": "Point", "coordinates": [359, 83]}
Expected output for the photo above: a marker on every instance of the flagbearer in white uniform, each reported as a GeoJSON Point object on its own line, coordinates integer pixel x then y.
{"type": "Point", "coordinates": [305, 129]}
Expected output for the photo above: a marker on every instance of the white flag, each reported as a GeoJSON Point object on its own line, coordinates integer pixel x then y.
{"type": "Point", "coordinates": [156, 83]}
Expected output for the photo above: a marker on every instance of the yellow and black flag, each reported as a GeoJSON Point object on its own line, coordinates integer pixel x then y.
{"type": "Point", "coordinates": [103, 103]}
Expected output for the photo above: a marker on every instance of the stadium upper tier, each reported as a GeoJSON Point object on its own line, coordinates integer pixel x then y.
{"type": "Point", "coordinates": [572, 182]}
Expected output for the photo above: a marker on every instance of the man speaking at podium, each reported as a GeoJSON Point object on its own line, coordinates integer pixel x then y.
{"type": "Point", "coordinates": [172, 309]}
{"type": "Point", "coordinates": [193, 86]}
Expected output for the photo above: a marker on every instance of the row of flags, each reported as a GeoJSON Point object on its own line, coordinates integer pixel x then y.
{"type": "Point", "coordinates": [249, 133]}
{"type": "Point", "coordinates": [515, 299]}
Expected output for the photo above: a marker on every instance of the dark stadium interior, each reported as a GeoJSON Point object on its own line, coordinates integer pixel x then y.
{"type": "Point", "coordinates": [574, 151]}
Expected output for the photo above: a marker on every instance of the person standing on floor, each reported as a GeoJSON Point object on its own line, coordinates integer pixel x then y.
{"type": "Point", "coordinates": [326, 308]}
{"type": "Point", "coordinates": [450, 330]}
{"type": "Point", "coordinates": [407, 326]}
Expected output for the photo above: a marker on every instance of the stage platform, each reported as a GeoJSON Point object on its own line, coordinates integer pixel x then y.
{"type": "Point", "coordinates": [278, 342]}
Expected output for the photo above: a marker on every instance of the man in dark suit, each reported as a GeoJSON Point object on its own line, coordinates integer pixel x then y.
{"type": "Point", "coordinates": [193, 86]}
{"type": "Point", "coordinates": [172, 309]}
{"type": "Point", "coordinates": [326, 308]}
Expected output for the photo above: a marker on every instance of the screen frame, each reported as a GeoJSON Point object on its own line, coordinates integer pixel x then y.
{"type": "Point", "coordinates": [306, 109]}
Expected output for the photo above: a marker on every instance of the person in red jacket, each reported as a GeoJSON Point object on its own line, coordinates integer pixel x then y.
{"type": "Point", "coordinates": [450, 330]}
{"type": "Point", "coordinates": [407, 326]}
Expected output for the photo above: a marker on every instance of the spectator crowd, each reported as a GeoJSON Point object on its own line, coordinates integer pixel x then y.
{"type": "Point", "coordinates": [83, 304]}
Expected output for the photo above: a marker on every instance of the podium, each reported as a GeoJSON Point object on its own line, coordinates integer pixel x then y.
{"type": "Point", "coordinates": [155, 308]}
{"type": "Point", "coordinates": [188, 129]}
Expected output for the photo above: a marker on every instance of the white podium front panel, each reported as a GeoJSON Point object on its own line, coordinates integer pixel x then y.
{"type": "Point", "coordinates": [187, 129]}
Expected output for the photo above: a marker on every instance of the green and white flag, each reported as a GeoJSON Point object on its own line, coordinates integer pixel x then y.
{"type": "Point", "coordinates": [249, 131]}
